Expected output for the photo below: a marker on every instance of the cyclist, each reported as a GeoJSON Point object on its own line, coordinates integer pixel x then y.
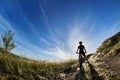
{"type": "Point", "coordinates": [81, 51]}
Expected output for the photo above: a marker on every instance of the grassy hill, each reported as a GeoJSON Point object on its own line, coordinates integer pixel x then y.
{"type": "Point", "coordinates": [110, 45]}
{"type": "Point", "coordinates": [13, 67]}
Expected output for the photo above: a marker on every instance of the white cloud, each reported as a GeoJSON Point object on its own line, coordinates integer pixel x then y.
{"type": "Point", "coordinates": [57, 48]}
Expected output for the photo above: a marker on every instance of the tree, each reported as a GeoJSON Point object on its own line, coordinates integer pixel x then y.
{"type": "Point", "coordinates": [7, 41]}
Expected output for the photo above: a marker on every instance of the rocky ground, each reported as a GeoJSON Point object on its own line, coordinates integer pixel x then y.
{"type": "Point", "coordinates": [99, 68]}
{"type": "Point", "coordinates": [107, 66]}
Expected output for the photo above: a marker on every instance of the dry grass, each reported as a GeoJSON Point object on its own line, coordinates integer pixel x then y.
{"type": "Point", "coordinates": [12, 67]}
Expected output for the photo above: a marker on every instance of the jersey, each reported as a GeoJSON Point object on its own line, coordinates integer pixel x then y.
{"type": "Point", "coordinates": [81, 48]}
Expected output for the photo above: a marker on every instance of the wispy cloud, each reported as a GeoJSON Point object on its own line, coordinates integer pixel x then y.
{"type": "Point", "coordinates": [24, 47]}
{"type": "Point", "coordinates": [57, 49]}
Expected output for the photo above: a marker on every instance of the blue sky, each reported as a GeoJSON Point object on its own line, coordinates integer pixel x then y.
{"type": "Point", "coordinates": [51, 29]}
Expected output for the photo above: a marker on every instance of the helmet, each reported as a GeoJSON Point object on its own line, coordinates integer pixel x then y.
{"type": "Point", "coordinates": [80, 42]}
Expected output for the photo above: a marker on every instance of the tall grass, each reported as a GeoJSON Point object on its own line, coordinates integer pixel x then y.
{"type": "Point", "coordinates": [14, 67]}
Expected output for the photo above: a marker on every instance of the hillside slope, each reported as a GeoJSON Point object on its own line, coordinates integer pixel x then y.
{"type": "Point", "coordinates": [110, 45]}
{"type": "Point", "coordinates": [106, 59]}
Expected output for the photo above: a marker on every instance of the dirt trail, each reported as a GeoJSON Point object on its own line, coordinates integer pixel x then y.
{"type": "Point", "coordinates": [102, 68]}
{"type": "Point", "coordinates": [88, 72]}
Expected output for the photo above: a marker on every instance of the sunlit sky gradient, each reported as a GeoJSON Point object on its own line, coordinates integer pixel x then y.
{"type": "Point", "coordinates": [51, 29]}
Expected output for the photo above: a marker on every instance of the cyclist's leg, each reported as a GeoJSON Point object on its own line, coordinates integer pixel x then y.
{"type": "Point", "coordinates": [80, 60]}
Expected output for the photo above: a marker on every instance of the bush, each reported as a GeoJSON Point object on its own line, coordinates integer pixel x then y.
{"type": "Point", "coordinates": [7, 41]}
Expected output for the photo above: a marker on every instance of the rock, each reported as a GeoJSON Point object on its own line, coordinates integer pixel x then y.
{"type": "Point", "coordinates": [78, 69]}
{"type": "Point", "coordinates": [62, 75]}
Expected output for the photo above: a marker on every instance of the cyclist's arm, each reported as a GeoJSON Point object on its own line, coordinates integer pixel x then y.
{"type": "Point", "coordinates": [85, 49]}
{"type": "Point", "coordinates": [77, 50]}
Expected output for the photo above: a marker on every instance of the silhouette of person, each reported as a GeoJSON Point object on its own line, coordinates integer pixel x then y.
{"type": "Point", "coordinates": [81, 51]}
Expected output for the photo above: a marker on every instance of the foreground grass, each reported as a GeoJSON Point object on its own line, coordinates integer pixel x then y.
{"type": "Point", "coordinates": [16, 68]}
